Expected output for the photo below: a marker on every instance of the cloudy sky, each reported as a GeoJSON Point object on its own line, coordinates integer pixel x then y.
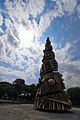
{"type": "Point", "coordinates": [24, 27]}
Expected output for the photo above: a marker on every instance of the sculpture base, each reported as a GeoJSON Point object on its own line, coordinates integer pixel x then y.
{"type": "Point", "coordinates": [46, 103]}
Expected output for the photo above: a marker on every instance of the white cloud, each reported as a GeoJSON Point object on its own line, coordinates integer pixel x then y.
{"type": "Point", "coordinates": [2, 50]}
{"type": "Point", "coordinates": [46, 19]}
{"type": "Point", "coordinates": [16, 12]}
{"type": "Point", "coordinates": [1, 19]}
{"type": "Point", "coordinates": [11, 72]}
{"type": "Point", "coordinates": [78, 10]}
{"type": "Point", "coordinates": [7, 45]}
{"type": "Point", "coordinates": [1, 31]}
{"type": "Point", "coordinates": [62, 54]}
{"type": "Point", "coordinates": [36, 7]}
{"type": "Point", "coordinates": [71, 80]}
{"type": "Point", "coordinates": [69, 5]}
{"type": "Point", "coordinates": [21, 11]}
{"type": "Point", "coordinates": [69, 69]}
{"type": "Point", "coordinates": [12, 55]}
{"type": "Point", "coordinates": [7, 78]}
{"type": "Point", "coordinates": [66, 6]}
{"type": "Point", "coordinates": [8, 23]}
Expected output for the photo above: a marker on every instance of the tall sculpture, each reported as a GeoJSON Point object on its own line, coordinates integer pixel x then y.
{"type": "Point", "coordinates": [50, 93]}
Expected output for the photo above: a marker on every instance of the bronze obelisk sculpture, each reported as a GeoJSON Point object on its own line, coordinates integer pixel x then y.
{"type": "Point", "coordinates": [50, 93]}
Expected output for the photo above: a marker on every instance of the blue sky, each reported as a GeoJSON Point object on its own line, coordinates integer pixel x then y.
{"type": "Point", "coordinates": [24, 27]}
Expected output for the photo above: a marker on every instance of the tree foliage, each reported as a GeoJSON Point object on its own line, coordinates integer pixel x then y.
{"type": "Point", "coordinates": [18, 90]}
{"type": "Point", "coordinates": [74, 94]}
{"type": "Point", "coordinates": [19, 81]}
{"type": "Point", "coordinates": [19, 85]}
{"type": "Point", "coordinates": [7, 89]}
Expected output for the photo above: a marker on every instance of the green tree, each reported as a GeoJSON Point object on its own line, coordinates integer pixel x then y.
{"type": "Point", "coordinates": [74, 94]}
{"type": "Point", "coordinates": [19, 85]}
{"type": "Point", "coordinates": [31, 92]}
{"type": "Point", "coordinates": [7, 89]}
